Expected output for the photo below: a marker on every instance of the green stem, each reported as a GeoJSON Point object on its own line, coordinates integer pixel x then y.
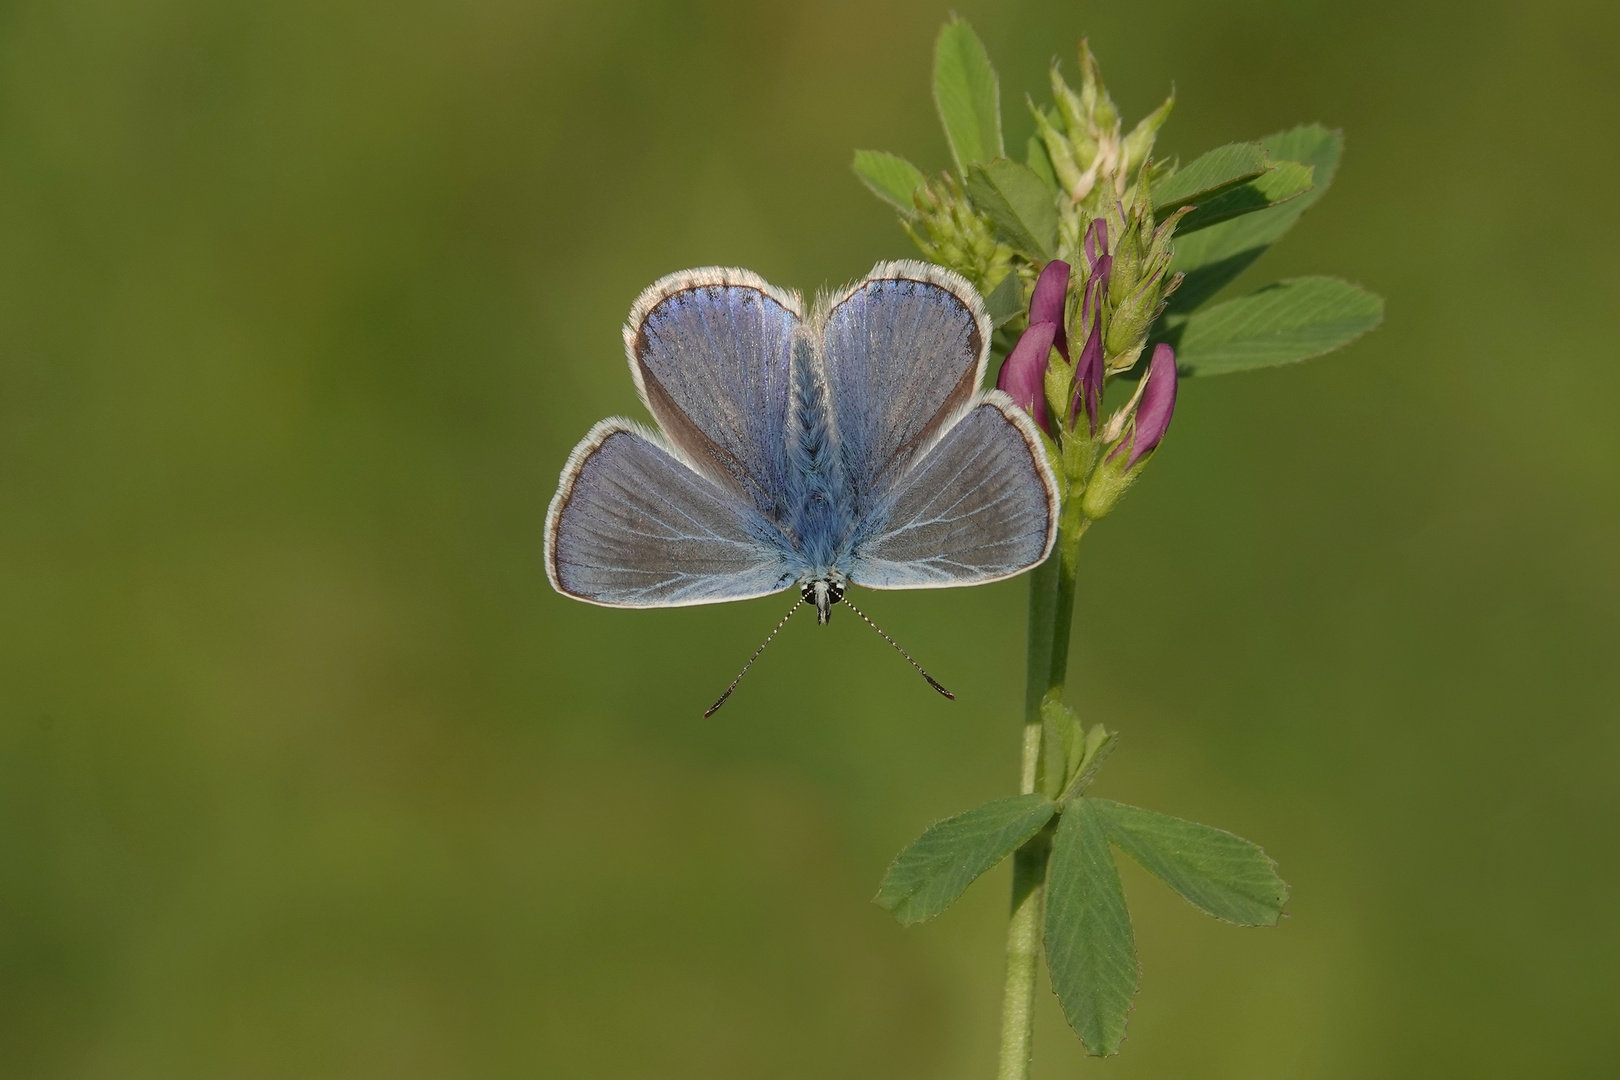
{"type": "Point", "coordinates": [1051, 610]}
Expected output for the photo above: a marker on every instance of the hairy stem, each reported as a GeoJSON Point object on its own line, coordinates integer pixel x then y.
{"type": "Point", "coordinates": [1051, 610]}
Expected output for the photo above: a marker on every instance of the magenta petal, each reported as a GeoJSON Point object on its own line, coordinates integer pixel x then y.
{"type": "Point", "coordinates": [1089, 378]}
{"type": "Point", "coordinates": [1046, 302]}
{"type": "Point", "coordinates": [1158, 402]}
{"type": "Point", "coordinates": [1023, 376]}
{"type": "Point", "coordinates": [1096, 288]}
{"type": "Point", "coordinates": [1096, 241]}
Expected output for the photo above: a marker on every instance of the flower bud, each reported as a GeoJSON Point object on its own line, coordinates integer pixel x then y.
{"type": "Point", "coordinates": [1059, 150]}
{"type": "Point", "coordinates": [1158, 404]}
{"type": "Point", "coordinates": [1046, 301]}
{"type": "Point", "coordinates": [1096, 242]}
{"type": "Point", "coordinates": [1023, 375]}
{"type": "Point", "coordinates": [1089, 379]}
{"type": "Point", "coordinates": [950, 231]}
{"type": "Point", "coordinates": [1134, 432]}
{"type": "Point", "coordinates": [1128, 328]}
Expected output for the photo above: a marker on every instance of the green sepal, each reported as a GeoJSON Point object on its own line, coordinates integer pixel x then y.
{"type": "Point", "coordinates": [1054, 458]}
{"type": "Point", "coordinates": [1019, 203]}
{"type": "Point", "coordinates": [1217, 872]}
{"type": "Point", "coordinates": [1094, 97]}
{"type": "Point", "coordinates": [1076, 123]}
{"type": "Point", "coordinates": [891, 178]}
{"type": "Point", "coordinates": [1058, 386]}
{"type": "Point", "coordinates": [1090, 949]}
{"type": "Point", "coordinates": [1110, 480]}
{"type": "Point", "coordinates": [967, 95]}
{"type": "Point", "coordinates": [1139, 143]}
{"type": "Point", "coordinates": [1281, 323]}
{"type": "Point", "coordinates": [1059, 150]}
{"type": "Point", "coordinates": [1080, 454]}
{"type": "Point", "coordinates": [933, 870]}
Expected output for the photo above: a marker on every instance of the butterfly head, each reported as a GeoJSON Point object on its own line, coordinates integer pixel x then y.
{"type": "Point", "coordinates": [823, 593]}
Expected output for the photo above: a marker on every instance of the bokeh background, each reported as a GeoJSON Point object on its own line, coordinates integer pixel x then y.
{"type": "Point", "coordinates": [306, 772]}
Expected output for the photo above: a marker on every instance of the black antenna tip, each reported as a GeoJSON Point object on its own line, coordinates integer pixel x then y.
{"type": "Point", "coordinates": [768, 639]}
{"type": "Point", "coordinates": [931, 681]}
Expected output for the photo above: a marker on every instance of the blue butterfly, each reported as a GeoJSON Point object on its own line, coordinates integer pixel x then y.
{"type": "Point", "coordinates": [850, 445]}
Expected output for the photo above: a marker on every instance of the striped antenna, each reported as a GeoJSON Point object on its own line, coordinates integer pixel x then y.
{"type": "Point", "coordinates": [897, 649]}
{"type": "Point", "coordinates": [716, 706]}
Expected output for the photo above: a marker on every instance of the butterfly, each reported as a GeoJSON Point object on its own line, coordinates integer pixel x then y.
{"type": "Point", "coordinates": [845, 445]}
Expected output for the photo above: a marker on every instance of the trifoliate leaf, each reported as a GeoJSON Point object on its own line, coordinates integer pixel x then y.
{"type": "Point", "coordinates": [1018, 202]}
{"type": "Point", "coordinates": [1212, 257]}
{"type": "Point", "coordinates": [1207, 175]}
{"type": "Point", "coordinates": [1278, 324]}
{"type": "Point", "coordinates": [939, 865]}
{"type": "Point", "coordinates": [1221, 874]}
{"type": "Point", "coordinates": [967, 95]}
{"type": "Point", "coordinates": [890, 177]}
{"type": "Point", "coordinates": [1275, 186]}
{"type": "Point", "coordinates": [1090, 951]}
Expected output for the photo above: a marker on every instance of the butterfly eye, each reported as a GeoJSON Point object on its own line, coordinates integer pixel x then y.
{"type": "Point", "coordinates": [835, 592]}
{"type": "Point", "coordinates": [809, 594]}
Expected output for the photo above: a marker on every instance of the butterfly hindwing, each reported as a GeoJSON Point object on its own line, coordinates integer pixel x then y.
{"type": "Point", "coordinates": [632, 526]}
{"type": "Point", "coordinates": [979, 505]}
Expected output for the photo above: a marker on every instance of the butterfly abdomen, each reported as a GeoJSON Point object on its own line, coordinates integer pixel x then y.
{"type": "Point", "coordinates": [821, 517]}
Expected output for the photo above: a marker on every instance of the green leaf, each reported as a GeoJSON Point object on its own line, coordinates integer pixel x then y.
{"type": "Point", "coordinates": [967, 95]}
{"type": "Point", "coordinates": [1098, 747]}
{"type": "Point", "coordinates": [1212, 257]}
{"type": "Point", "coordinates": [1064, 745]}
{"type": "Point", "coordinates": [1040, 163]}
{"type": "Point", "coordinates": [1278, 324]}
{"type": "Point", "coordinates": [1005, 302]}
{"type": "Point", "coordinates": [890, 177]}
{"type": "Point", "coordinates": [1223, 875]}
{"type": "Point", "coordinates": [1287, 181]}
{"type": "Point", "coordinates": [1090, 952]}
{"type": "Point", "coordinates": [1019, 202]}
{"type": "Point", "coordinates": [935, 868]}
{"type": "Point", "coordinates": [1208, 174]}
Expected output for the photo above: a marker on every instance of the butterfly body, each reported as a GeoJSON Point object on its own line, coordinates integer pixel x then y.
{"type": "Point", "coordinates": [846, 445]}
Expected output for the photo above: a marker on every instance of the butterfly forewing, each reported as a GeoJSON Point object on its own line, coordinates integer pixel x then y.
{"type": "Point", "coordinates": [710, 350]}
{"type": "Point", "coordinates": [903, 351]}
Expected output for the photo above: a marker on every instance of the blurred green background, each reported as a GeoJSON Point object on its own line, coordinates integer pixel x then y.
{"type": "Point", "coordinates": [306, 772]}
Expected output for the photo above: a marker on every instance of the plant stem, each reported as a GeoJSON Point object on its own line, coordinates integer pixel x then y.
{"type": "Point", "coordinates": [1051, 610]}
